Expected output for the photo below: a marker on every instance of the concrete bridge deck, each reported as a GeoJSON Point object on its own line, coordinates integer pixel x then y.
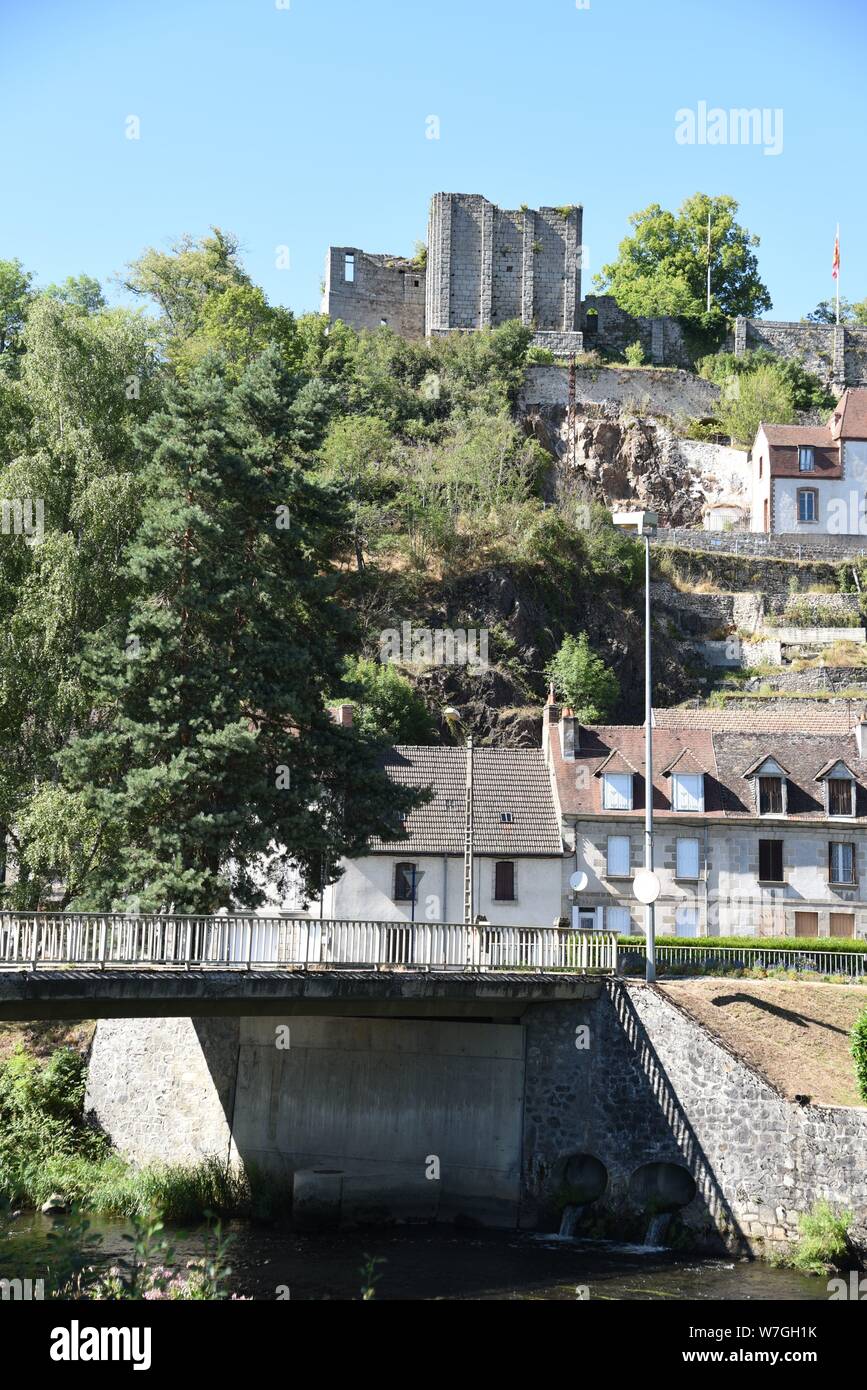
{"type": "Point", "coordinates": [164, 992]}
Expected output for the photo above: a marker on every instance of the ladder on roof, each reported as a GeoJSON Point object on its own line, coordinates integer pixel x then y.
{"type": "Point", "coordinates": [468, 838]}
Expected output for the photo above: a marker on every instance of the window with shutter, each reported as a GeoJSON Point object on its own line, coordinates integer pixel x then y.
{"type": "Point", "coordinates": [687, 791]}
{"type": "Point", "coordinates": [770, 796]}
{"type": "Point", "coordinates": [618, 919]}
{"type": "Point", "coordinates": [839, 796]}
{"type": "Point", "coordinates": [841, 862]}
{"type": "Point", "coordinates": [504, 881]}
{"type": "Point", "coordinates": [617, 791]}
{"type": "Point", "coordinates": [405, 879]}
{"type": "Point", "coordinates": [618, 856]}
{"type": "Point", "coordinates": [771, 861]}
{"type": "Point", "coordinates": [687, 858]}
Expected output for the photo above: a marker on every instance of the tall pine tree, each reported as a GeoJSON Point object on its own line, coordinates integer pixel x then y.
{"type": "Point", "coordinates": [210, 743]}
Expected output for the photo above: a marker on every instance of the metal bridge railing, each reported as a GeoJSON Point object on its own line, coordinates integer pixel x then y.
{"type": "Point", "coordinates": [852, 963]}
{"type": "Point", "coordinates": [38, 940]}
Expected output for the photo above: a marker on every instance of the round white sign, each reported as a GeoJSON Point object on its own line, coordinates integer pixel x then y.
{"type": "Point", "coordinates": [646, 886]}
{"type": "Point", "coordinates": [578, 881]}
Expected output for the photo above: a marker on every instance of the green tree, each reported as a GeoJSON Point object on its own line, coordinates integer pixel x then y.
{"type": "Point", "coordinates": [661, 267]}
{"type": "Point", "coordinates": [808, 390]}
{"type": "Point", "coordinates": [386, 708]}
{"type": "Point", "coordinates": [86, 383]}
{"type": "Point", "coordinates": [357, 454]}
{"type": "Point", "coordinates": [763, 394]}
{"type": "Point", "coordinates": [859, 1052]}
{"type": "Point", "coordinates": [80, 292]}
{"type": "Point", "coordinates": [208, 303]}
{"type": "Point", "coordinates": [583, 680]}
{"type": "Point", "coordinates": [211, 750]}
{"type": "Point", "coordinates": [15, 295]}
{"type": "Point", "coordinates": [853, 313]}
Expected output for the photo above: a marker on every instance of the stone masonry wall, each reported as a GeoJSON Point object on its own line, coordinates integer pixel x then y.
{"type": "Point", "coordinates": [654, 1086]}
{"type": "Point", "coordinates": [643, 389]}
{"type": "Point", "coordinates": [385, 289]}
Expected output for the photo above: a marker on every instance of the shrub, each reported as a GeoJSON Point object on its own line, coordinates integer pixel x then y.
{"type": "Point", "coordinates": [859, 1052]}
{"type": "Point", "coordinates": [824, 1238]}
{"type": "Point", "coordinates": [634, 354]}
{"type": "Point", "coordinates": [583, 680]}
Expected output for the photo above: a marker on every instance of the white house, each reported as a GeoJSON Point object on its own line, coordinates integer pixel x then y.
{"type": "Point", "coordinates": [812, 479]}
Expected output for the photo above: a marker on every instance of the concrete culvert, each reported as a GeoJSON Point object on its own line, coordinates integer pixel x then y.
{"type": "Point", "coordinates": [583, 1176]}
{"type": "Point", "coordinates": [665, 1187]}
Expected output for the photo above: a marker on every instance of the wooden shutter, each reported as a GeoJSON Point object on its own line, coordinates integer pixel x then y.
{"type": "Point", "coordinates": [806, 924]}
{"type": "Point", "coordinates": [842, 923]}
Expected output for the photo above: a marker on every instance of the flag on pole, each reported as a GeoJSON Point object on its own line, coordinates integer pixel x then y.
{"type": "Point", "coordinates": [835, 268]}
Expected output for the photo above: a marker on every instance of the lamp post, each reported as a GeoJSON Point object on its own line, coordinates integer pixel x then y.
{"type": "Point", "coordinates": [649, 523]}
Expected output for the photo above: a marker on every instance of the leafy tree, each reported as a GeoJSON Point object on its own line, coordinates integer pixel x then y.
{"type": "Point", "coordinates": [853, 313]}
{"type": "Point", "coordinates": [661, 268]}
{"type": "Point", "coordinates": [80, 292]}
{"type": "Point", "coordinates": [809, 392]}
{"type": "Point", "coordinates": [747, 400]}
{"type": "Point", "coordinates": [208, 303]}
{"type": "Point", "coordinates": [211, 750]}
{"type": "Point", "coordinates": [583, 680]}
{"type": "Point", "coordinates": [859, 1052]}
{"type": "Point", "coordinates": [86, 383]}
{"type": "Point", "coordinates": [357, 454]}
{"type": "Point", "coordinates": [386, 708]}
{"type": "Point", "coordinates": [15, 296]}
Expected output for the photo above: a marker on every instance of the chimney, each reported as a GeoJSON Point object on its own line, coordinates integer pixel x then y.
{"type": "Point", "coordinates": [861, 737]}
{"type": "Point", "coordinates": [570, 736]}
{"type": "Point", "coordinates": [342, 715]}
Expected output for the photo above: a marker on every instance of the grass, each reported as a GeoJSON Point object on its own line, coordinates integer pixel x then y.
{"type": "Point", "coordinates": [824, 1242]}
{"type": "Point", "coordinates": [176, 1192]}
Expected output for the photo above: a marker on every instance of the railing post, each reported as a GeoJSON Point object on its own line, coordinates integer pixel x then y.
{"type": "Point", "coordinates": [250, 945]}
{"type": "Point", "coordinates": [102, 943]}
{"type": "Point", "coordinates": [37, 928]}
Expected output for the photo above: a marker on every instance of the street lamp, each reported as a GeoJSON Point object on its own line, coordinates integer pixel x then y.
{"type": "Point", "coordinates": [650, 882]}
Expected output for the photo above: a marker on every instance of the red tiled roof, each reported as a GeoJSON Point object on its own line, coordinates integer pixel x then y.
{"type": "Point", "coordinates": [806, 717]}
{"type": "Point", "coordinates": [849, 420]}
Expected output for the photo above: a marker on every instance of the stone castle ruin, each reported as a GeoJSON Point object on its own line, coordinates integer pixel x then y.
{"type": "Point", "coordinates": [487, 265]}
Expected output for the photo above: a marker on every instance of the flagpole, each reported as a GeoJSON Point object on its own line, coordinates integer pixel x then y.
{"type": "Point", "coordinates": [837, 276]}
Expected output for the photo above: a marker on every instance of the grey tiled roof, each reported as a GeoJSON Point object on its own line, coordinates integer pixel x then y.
{"type": "Point", "coordinates": [507, 781]}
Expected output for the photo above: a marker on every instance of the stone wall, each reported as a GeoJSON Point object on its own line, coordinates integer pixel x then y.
{"type": "Point", "coordinates": [609, 328]}
{"type": "Point", "coordinates": [376, 1097]}
{"type": "Point", "coordinates": [818, 547]}
{"type": "Point", "coordinates": [642, 389]}
{"type": "Point", "coordinates": [386, 290]}
{"type": "Point", "coordinates": [836, 353]}
{"type": "Point", "coordinates": [487, 265]}
{"type": "Point", "coordinates": [654, 1086]}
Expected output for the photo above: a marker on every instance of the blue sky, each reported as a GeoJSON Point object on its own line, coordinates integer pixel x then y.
{"type": "Point", "coordinates": [306, 125]}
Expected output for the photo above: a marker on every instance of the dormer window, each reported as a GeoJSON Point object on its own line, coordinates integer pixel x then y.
{"type": "Point", "coordinates": [839, 787]}
{"type": "Point", "coordinates": [770, 786]}
{"type": "Point", "coordinates": [840, 796]}
{"type": "Point", "coordinates": [770, 796]}
{"type": "Point", "coordinates": [806, 460]}
{"type": "Point", "coordinates": [617, 791]}
{"type": "Point", "coordinates": [687, 791]}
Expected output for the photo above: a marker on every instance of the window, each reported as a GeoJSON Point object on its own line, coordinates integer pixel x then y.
{"type": "Point", "coordinates": [618, 856]}
{"type": "Point", "coordinates": [405, 881]}
{"type": "Point", "coordinates": [771, 861]}
{"type": "Point", "coordinates": [806, 461]}
{"type": "Point", "coordinates": [840, 797]}
{"type": "Point", "coordinates": [349, 269]}
{"type": "Point", "coordinates": [687, 791]}
{"type": "Point", "coordinates": [770, 796]}
{"type": "Point", "coordinates": [841, 923]}
{"type": "Point", "coordinates": [841, 862]}
{"type": "Point", "coordinates": [617, 791]}
{"type": "Point", "coordinates": [807, 924]}
{"type": "Point", "coordinates": [504, 881]}
{"type": "Point", "coordinates": [686, 920]}
{"type": "Point", "coordinates": [808, 504]}
{"type": "Point", "coordinates": [687, 859]}
{"type": "Point", "coordinates": [618, 919]}
{"type": "Point", "coordinates": [506, 818]}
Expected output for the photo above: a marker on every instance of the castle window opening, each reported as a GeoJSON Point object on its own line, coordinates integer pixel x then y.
{"type": "Point", "coordinates": [349, 269]}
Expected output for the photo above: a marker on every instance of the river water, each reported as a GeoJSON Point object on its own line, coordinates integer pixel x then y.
{"type": "Point", "coordinates": [437, 1263]}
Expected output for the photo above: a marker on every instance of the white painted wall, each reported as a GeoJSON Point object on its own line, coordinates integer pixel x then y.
{"type": "Point", "coordinates": [841, 503]}
{"type": "Point", "coordinates": [366, 887]}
